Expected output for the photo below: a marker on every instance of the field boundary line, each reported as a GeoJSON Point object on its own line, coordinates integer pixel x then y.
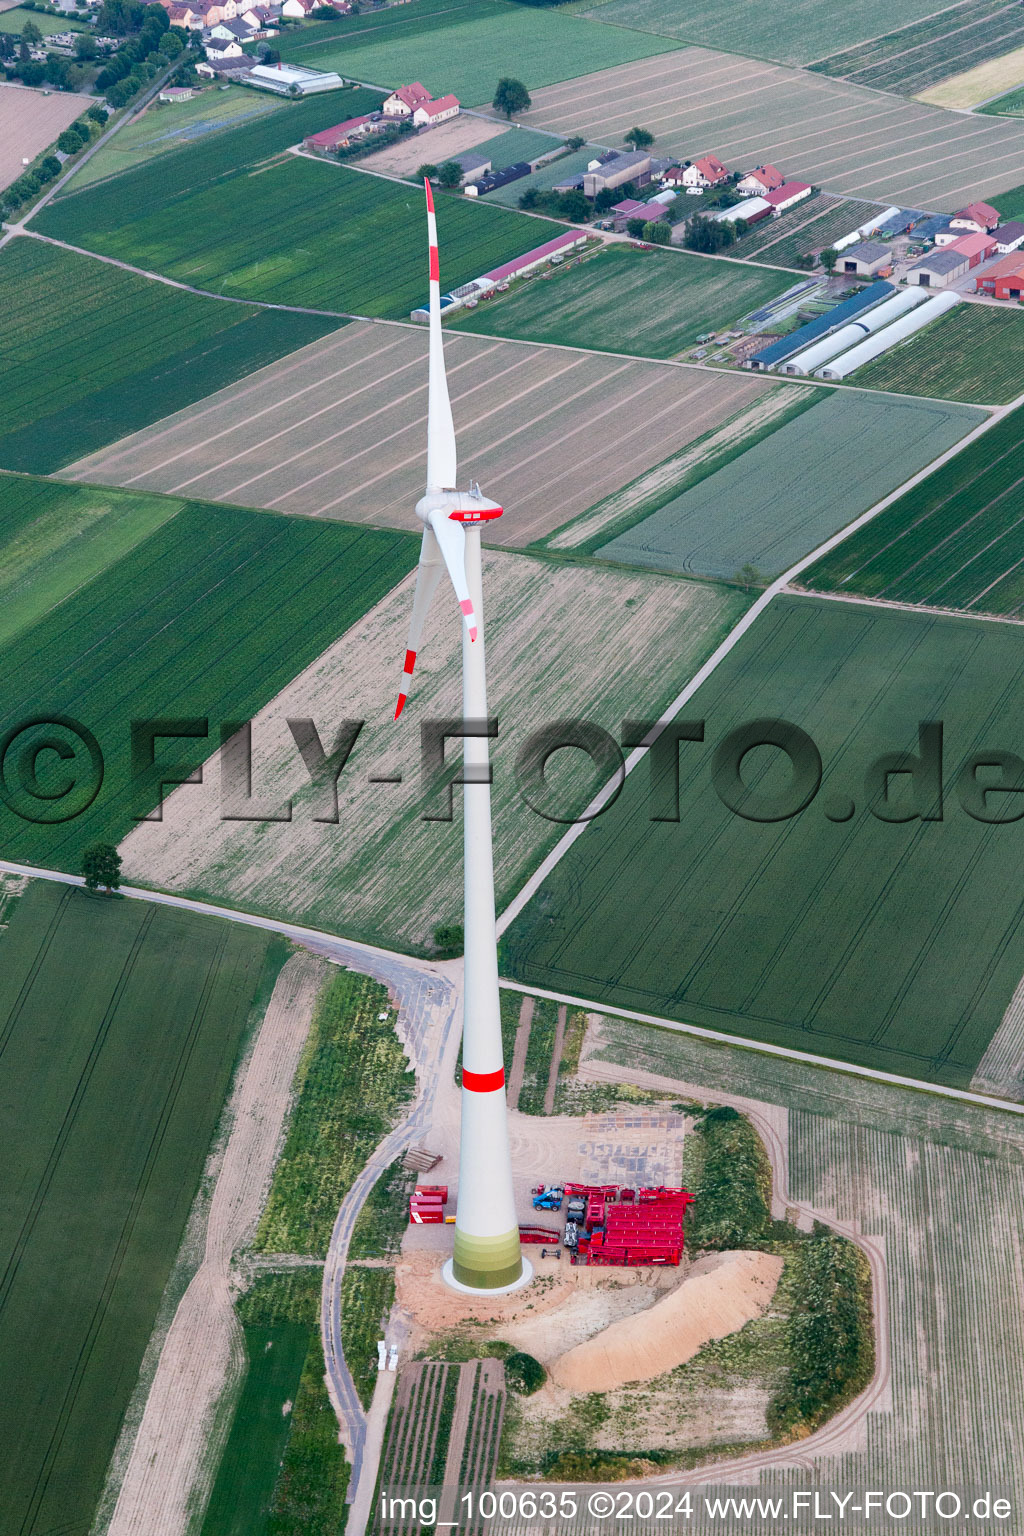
{"type": "Point", "coordinates": [788, 1053]}
{"type": "Point", "coordinates": [888, 602]}
{"type": "Point", "coordinates": [779, 585]}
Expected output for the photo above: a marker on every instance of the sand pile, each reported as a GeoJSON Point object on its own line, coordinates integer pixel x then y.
{"type": "Point", "coordinates": [720, 1294]}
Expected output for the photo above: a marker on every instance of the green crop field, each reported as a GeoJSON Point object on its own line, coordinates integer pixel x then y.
{"type": "Point", "coordinates": [314, 249]}
{"type": "Point", "coordinates": [973, 352]}
{"type": "Point", "coordinates": [894, 944]}
{"type": "Point", "coordinates": [786, 494]}
{"type": "Point", "coordinates": [15, 19]}
{"type": "Point", "coordinates": [1011, 204]}
{"type": "Point", "coordinates": [954, 541]}
{"type": "Point", "coordinates": [649, 303]}
{"type": "Point", "coordinates": [791, 31]}
{"type": "Point", "coordinates": [925, 51]}
{"type": "Point", "coordinates": [1010, 105]}
{"type": "Point", "coordinates": [207, 617]}
{"type": "Point", "coordinates": [166, 126]}
{"type": "Point", "coordinates": [91, 352]}
{"type": "Point", "coordinates": [519, 144]}
{"type": "Point", "coordinates": [468, 48]}
{"type": "Point", "coordinates": [543, 179]}
{"type": "Point", "coordinates": [121, 1024]}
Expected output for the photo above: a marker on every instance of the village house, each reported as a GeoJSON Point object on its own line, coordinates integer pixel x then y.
{"type": "Point", "coordinates": [343, 134]}
{"type": "Point", "coordinates": [708, 171]}
{"type": "Point", "coordinates": [430, 113]}
{"type": "Point", "coordinates": [406, 100]}
{"type": "Point", "coordinates": [761, 180]}
{"type": "Point", "coordinates": [975, 219]}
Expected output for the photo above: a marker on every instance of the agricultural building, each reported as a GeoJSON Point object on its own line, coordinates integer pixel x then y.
{"type": "Point", "coordinates": [977, 248]}
{"type": "Point", "coordinates": [672, 176]}
{"type": "Point", "coordinates": [629, 208]}
{"type": "Point", "coordinates": [405, 101]}
{"type": "Point", "coordinates": [561, 245]}
{"type": "Point", "coordinates": [1009, 237]}
{"type": "Point", "coordinates": [766, 178]}
{"type": "Point", "coordinates": [931, 228]}
{"type": "Point", "coordinates": [430, 113]}
{"type": "Point", "coordinates": [864, 259]}
{"type": "Point", "coordinates": [635, 167]}
{"type": "Point", "coordinates": [474, 166]}
{"type": "Point", "coordinates": [343, 133]}
{"type": "Point", "coordinates": [787, 196]}
{"type": "Point", "coordinates": [938, 269]}
{"type": "Point", "coordinates": [888, 337]}
{"type": "Point", "coordinates": [502, 178]}
{"type": "Point", "coordinates": [1005, 280]}
{"type": "Point", "coordinates": [752, 209]}
{"type": "Point", "coordinates": [976, 218]}
{"type": "Point", "coordinates": [822, 325]}
{"type": "Point", "coordinates": [863, 230]}
{"type": "Point", "coordinates": [851, 335]}
{"type": "Point", "coordinates": [286, 79]}
{"type": "Point", "coordinates": [176, 93]}
{"type": "Point", "coordinates": [900, 222]}
{"type": "Point", "coordinates": [708, 171]}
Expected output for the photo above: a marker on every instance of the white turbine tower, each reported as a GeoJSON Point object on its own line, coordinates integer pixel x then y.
{"type": "Point", "coordinates": [487, 1255]}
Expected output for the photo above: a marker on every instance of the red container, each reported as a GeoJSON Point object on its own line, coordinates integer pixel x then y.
{"type": "Point", "coordinates": [425, 1215]}
{"type": "Point", "coordinates": [432, 1191]}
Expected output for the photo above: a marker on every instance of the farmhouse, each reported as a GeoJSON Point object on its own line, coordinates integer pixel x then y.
{"type": "Point", "coordinates": [864, 259]}
{"type": "Point", "coordinates": [708, 171]}
{"type": "Point", "coordinates": [1009, 237]}
{"type": "Point", "coordinates": [430, 113]}
{"type": "Point", "coordinates": [293, 79]}
{"type": "Point", "coordinates": [938, 269]}
{"type": "Point", "coordinates": [185, 16]}
{"type": "Point", "coordinates": [766, 178]}
{"type": "Point", "coordinates": [977, 218]}
{"type": "Point", "coordinates": [343, 134]}
{"type": "Point", "coordinates": [787, 196]}
{"type": "Point", "coordinates": [232, 31]}
{"type": "Point", "coordinates": [614, 172]}
{"type": "Point", "coordinates": [404, 101]}
{"type": "Point", "coordinates": [1005, 280]}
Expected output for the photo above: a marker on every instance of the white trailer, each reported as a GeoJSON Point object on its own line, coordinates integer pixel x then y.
{"type": "Point", "coordinates": [806, 362]}
{"type": "Point", "coordinates": [881, 342]}
{"type": "Point", "coordinates": [863, 230]}
{"type": "Point", "coordinates": [382, 1355]}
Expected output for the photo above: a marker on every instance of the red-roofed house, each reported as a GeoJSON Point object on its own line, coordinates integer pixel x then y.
{"type": "Point", "coordinates": [788, 195]}
{"type": "Point", "coordinates": [766, 178]}
{"type": "Point", "coordinates": [978, 218]}
{"type": "Point", "coordinates": [404, 101]}
{"type": "Point", "coordinates": [708, 171]}
{"type": "Point", "coordinates": [430, 113]}
{"type": "Point", "coordinates": [342, 134]}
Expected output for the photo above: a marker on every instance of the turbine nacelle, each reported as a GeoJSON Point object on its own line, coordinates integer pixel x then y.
{"type": "Point", "coordinates": [470, 506]}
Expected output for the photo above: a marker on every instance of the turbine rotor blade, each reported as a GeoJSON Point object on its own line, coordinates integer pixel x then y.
{"type": "Point", "coordinates": [442, 464]}
{"type": "Point", "coordinates": [428, 574]}
{"type": "Point", "coordinates": [452, 541]}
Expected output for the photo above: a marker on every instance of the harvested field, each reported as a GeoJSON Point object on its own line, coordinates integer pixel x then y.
{"type": "Point", "coordinates": [29, 122]}
{"type": "Point", "coordinates": [836, 135]}
{"type": "Point", "coordinates": [973, 352]}
{"type": "Point", "coordinates": [650, 303]}
{"type": "Point", "coordinates": [915, 57]}
{"type": "Point", "coordinates": [808, 228]}
{"type": "Point", "coordinates": [382, 871]}
{"type": "Point", "coordinates": [720, 1294]}
{"type": "Point", "coordinates": [340, 429]}
{"type": "Point", "coordinates": [980, 83]}
{"type": "Point", "coordinates": [70, 383]}
{"type": "Point", "coordinates": [951, 542]}
{"type": "Point", "coordinates": [104, 1144]}
{"type": "Point", "coordinates": [895, 945]}
{"type": "Point", "coordinates": [792, 31]}
{"type": "Point", "coordinates": [466, 48]}
{"type": "Point", "coordinates": [442, 143]}
{"type": "Point", "coordinates": [785, 495]}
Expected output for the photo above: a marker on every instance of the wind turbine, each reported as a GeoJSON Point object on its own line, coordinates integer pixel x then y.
{"type": "Point", "coordinates": [487, 1256]}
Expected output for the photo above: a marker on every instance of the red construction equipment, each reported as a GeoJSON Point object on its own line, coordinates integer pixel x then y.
{"type": "Point", "coordinates": [426, 1204]}
{"type": "Point", "coordinates": [539, 1235]}
{"type": "Point", "coordinates": [636, 1233]}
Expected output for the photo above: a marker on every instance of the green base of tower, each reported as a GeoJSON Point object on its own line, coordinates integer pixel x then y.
{"type": "Point", "coordinates": [487, 1263]}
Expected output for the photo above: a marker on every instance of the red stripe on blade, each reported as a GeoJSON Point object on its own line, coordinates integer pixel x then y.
{"type": "Point", "coordinates": [400, 705]}
{"type": "Point", "coordinates": [410, 662]}
{"type": "Point", "coordinates": [435, 266]}
{"type": "Point", "coordinates": [483, 1082]}
{"type": "Point", "coordinates": [430, 195]}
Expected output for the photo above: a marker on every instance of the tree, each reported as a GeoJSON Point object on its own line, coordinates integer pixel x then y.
{"type": "Point", "coordinates": [31, 35]}
{"type": "Point", "coordinates": [511, 96]}
{"type": "Point", "coordinates": [449, 175]}
{"type": "Point", "coordinates": [574, 207]}
{"type": "Point", "coordinates": [749, 576]}
{"type": "Point", "coordinates": [120, 93]}
{"type": "Point", "coordinates": [427, 172]}
{"type": "Point", "coordinates": [449, 940]}
{"type": "Point", "coordinates": [828, 258]}
{"type": "Point", "coordinates": [101, 865]}
{"type": "Point", "coordinates": [704, 234]}
{"type": "Point", "coordinates": [50, 167]}
{"type": "Point", "coordinates": [575, 141]}
{"type": "Point", "coordinates": [657, 231]}
{"type": "Point", "coordinates": [97, 113]}
{"type": "Point", "coordinates": [85, 46]}
{"type": "Point", "coordinates": [640, 138]}
{"type": "Point", "coordinates": [523, 1373]}
{"type": "Point", "coordinates": [530, 198]}
{"type": "Point", "coordinates": [635, 227]}
{"type": "Point", "coordinates": [605, 199]}
{"type": "Point", "coordinates": [8, 47]}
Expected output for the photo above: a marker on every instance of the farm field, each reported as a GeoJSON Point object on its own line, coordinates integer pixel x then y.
{"type": "Point", "coordinates": [310, 436]}
{"type": "Point", "coordinates": [1010, 105]}
{"type": "Point", "coordinates": [312, 252]}
{"type": "Point", "coordinates": [516, 144]}
{"type": "Point", "coordinates": [447, 140]}
{"type": "Point", "coordinates": [207, 617]}
{"type": "Point", "coordinates": [29, 122]}
{"type": "Point", "coordinates": [468, 49]}
{"type": "Point", "coordinates": [164, 127]}
{"type": "Point", "coordinates": [810, 227]}
{"type": "Point", "coordinates": [931, 1179]}
{"type": "Point", "coordinates": [895, 945]}
{"type": "Point", "coordinates": [982, 82]}
{"type": "Point", "coordinates": [793, 32]}
{"type": "Point", "coordinates": [384, 872]}
{"type": "Point", "coordinates": [104, 1145]}
{"type": "Point", "coordinates": [14, 17]}
{"type": "Point", "coordinates": [69, 381]}
{"type": "Point", "coordinates": [785, 495]}
{"type": "Point", "coordinates": [839, 136]}
{"type": "Point", "coordinates": [951, 542]}
{"type": "Point", "coordinates": [543, 179]}
{"type": "Point", "coordinates": [915, 58]}
{"type": "Point", "coordinates": [974, 352]}
{"type": "Point", "coordinates": [649, 303]}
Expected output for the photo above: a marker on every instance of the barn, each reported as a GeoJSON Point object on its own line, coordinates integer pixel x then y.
{"type": "Point", "coordinates": [1005, 280]}
{"type": "Point", "coordinates": [938, 269]}
{"type": "Point", "coordinates": [865, 259]}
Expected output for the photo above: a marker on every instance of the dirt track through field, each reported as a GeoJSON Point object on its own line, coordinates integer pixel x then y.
{"type": "Point", "coordinates": [173, 1460]}
{"type": "Point", "coordinates": [30, 120]}
{"type": "Point", "coordinates": [338, 429]}
{"type": "Point", "coordinates": [842, 137]}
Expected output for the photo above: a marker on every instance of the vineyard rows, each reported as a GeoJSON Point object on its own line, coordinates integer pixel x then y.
{"type": "Point", "coordinates": [909, 60]}
{"type": "Point", "coordinates": [806, 228]}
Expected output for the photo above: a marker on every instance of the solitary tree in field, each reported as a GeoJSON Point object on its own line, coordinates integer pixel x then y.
{"type": "Point", "coordinates": [828, 259]}
{"type": "Point", "coordinates": [511, 96]}
{"type": "Point", "coordinates": [640, 138]}
{"type": "Point", "coordinates": [449, 175]}
{"type": "Point", "coordinates": [749, 576]}
{"type": "Point", "coordinates": [101, 865]}
{"type": "Point", "coordinates": [449, 940]}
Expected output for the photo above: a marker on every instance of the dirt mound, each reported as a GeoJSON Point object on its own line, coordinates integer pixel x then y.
{"type": "Point", "coordinates": [719, 1295]}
